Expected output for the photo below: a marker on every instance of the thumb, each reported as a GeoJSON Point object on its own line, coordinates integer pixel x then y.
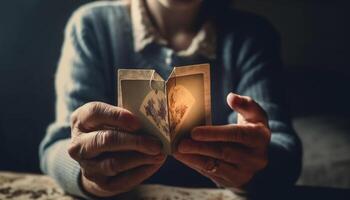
{"type": "Point", "coordinates": [247, 107]}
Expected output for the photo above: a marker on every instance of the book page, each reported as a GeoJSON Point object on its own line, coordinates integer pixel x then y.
{"type": "Point", "coordinates": [142, 92]}
{"type": "Point", "coordinates": [154, 108]}
{"type": "Point", "coordinates": [189, 99]}
{"type": "Point", "coordinates": [180, 102]}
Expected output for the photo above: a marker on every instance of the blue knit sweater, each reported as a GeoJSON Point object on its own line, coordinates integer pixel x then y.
{"type": "Point", "coordinates": [99, 40]}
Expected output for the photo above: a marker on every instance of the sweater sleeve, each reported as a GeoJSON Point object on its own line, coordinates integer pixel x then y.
{"type": "Point", "coordinates": [79, 79]}
{"type": "Point", "coordinates": [260, 72]}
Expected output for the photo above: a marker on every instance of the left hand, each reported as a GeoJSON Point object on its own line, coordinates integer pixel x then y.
{"type": "Point", "coordinates": [232, 154]}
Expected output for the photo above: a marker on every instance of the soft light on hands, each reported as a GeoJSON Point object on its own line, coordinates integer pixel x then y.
{"type": "Point", "coordinates": [232, 154]}
{"type": "Point", "coordinates": [112, 158]}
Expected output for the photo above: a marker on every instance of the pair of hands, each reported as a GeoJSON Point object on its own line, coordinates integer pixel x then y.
{"type": "Point", "coordinates": [113, 160]}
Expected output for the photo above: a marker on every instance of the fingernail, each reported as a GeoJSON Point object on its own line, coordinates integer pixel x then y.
{"type": "Point", "coordinates": [230, 96]}
{"type": "Point", "coordinates": [237, 99]}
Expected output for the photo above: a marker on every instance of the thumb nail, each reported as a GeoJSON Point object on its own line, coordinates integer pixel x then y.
{"type": "Point", "coordinates": [233, 100]}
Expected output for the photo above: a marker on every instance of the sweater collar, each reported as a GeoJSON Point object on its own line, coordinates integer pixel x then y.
{"type": "Point", "coordinates": [144, 33]}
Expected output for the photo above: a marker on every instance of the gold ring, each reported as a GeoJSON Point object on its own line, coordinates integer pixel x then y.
{"type": "Point", "coordinates": [213, 166]}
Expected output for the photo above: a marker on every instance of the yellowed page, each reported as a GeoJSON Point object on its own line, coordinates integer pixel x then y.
{"type": "Point", "coordinates": [143, 93]}
{"type": "Point", "coordinates": [189, 99]}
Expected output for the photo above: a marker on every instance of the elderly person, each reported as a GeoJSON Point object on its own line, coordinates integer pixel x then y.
{"type": "Point", "coordinates": [251, 146]}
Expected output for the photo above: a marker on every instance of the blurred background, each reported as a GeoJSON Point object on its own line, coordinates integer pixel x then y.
{"type": "Point", "coordinates": [316, 51]}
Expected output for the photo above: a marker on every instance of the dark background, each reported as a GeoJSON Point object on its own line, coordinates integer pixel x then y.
{"type": "Point", "coordinates": [315, 39]}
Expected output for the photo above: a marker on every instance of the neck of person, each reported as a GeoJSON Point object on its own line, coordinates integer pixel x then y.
{"type": "Point", "coordinates": [177, 26]}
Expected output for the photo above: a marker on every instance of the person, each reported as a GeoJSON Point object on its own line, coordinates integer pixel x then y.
{"type": "Point", "coordinates": [92, 150]}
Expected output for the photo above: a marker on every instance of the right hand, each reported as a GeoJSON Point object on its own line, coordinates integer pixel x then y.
{"type": "Point", "coordinates": [112, 162]}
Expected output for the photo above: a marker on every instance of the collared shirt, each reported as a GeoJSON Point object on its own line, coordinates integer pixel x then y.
{"type": "Point", "coordinates": [145, 33]}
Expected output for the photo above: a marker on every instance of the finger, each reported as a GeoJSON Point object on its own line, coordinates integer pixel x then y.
{"type": "Point", "coordinates": [123, 182]}
{"type": "Point", "coordinates": [252, 135]}
{"type": "Point", "coordinates": [224, 182]}
{"type": "Point", "coordinates": [223, 169]}
{"type": "Point", "coordinates": [235, 182]}
{"type": "Point", "coordinates": [95, 115]}
{"type": "Point", "coordinates": [92, 144]}
{"type": "Point", "coordinates": [132, 178]}
{"type": "Point", "coordinates": [217, 180]}
{"type": "Point", "coordinates": [248, 108]}
{"type": "Point", "coordinates": [230, 153]}
{"type": "Point", "coordinates": [92, 176]}
{"type": "Point", "coordinates": [115, 163]}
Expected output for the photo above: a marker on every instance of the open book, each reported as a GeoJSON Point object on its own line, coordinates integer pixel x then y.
{"type": "Point", "coordinates": [167, 109]}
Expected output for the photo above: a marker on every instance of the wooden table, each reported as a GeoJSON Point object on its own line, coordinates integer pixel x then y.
{"type": "Point", "coordinates": [30, 186]}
